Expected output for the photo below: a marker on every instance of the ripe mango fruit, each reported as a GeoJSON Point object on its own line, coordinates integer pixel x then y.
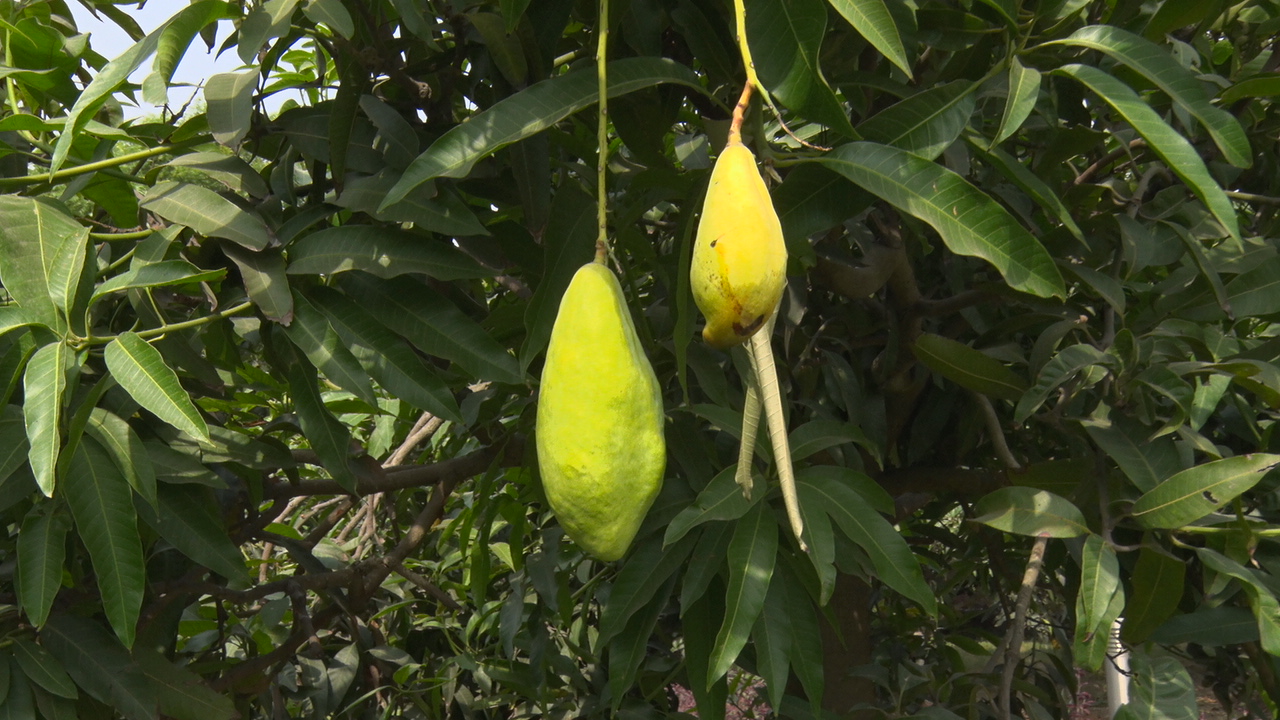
{"type": "Point", "coordinates": [739, 258]}
{"type": "Point", "coordinates": [600, 421]}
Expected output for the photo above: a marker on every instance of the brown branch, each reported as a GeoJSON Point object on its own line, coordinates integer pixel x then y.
{"type": "Point", "coordinates": [1107, 159]}
{"type": "Point", "coordinates": [411, 476]}
{"type": "Point", "coordinates": [956, 303]}
{"type": "Point", "coordinates": [431, 588]}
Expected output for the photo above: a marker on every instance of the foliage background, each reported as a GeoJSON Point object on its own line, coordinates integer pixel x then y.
{"type": "Point", "coordinates": [268, 378]}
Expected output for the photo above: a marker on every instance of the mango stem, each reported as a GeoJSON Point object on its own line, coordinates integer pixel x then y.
{"type": "Point", "coordinates": [602, 133]}
{"type": "Point", "coordinates": [767, 378]}
{"type": "Point", "coordinates": [740, 112]}
{"type": "Point", "coordinates": [750, 425]}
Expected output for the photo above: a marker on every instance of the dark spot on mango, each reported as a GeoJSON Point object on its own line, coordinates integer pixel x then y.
{"type": "Point", "coordinates": [747, 330]}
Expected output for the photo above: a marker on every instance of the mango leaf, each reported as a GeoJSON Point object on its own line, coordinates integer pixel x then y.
{"type": "Point", "coordinates": [1030, 183]}
{"type": "Point", "coordinates": [102, 505]}
{"type": "Point", "coordinates": [328, 436]}
{"type": "Point", "coordinates": [230, 170]}
{"type": "Point", "coordinates": [1198, 491]}
{"type": "Point", "coordinates": [43, 669]}
{"type": "Point", "coordinates": [630, 647]}
{"type": "Point", "coordinates": [969, 221]}
{"type": "Point", "coordinates": [772, 637]}
{"type": "Point", "coordinates": [175, 38]}
{"type": "Point", "coordinates": [186, 517]}
{"type": "Point", "coordinates": [311, 333]}
{"type": "Point", "coordinates": [872, 20]}
{"type": "Point", "coordinates": [1027, 511]}
{"type": "Point", "coordinates": [1159, 689]}
{"type": "Point", "coordinates": [529, 112]}
{"type": "Point", "coordinates": [1265, 606]}
{"type": "Point", "coordinates": [229, 99]}
{"type": "Point", "coordinates": [818, 534]}
{"type": "Point", "coordinates": [700, 620]}
{"type": "Point", "coordinates": [968, 368]}
{"type": "Point", "coordinates": [1157, 589]}
{"type": "Point", "coordinates": [786, 39]}
{"type": "Point", "coordinates": [17, 704]}
{"type": "Point", "coordinates": [385, 356]}
{"type": "Point", "coordinates": [380, 251]}
{"type": "Point", "coordinates": [1099, 580]}
{"type": "Point", "coordinates": [427, 206]}
{"type": "Point", "coordinates": [752, 553]}
{"type": "Point", "coordinates": [126, 449]}
{"type": "Point", "coordinates": [158, 274]}
{"type": "Point", "coordinates": [37, 237]}
{"type": "Point", "coordinates": [206, 212]}
{"type": "Point", "coordinates": [644, 573]}
{"type": "Point", "coordinates": [721, 499]}
{"type": "Point", "coordinates": [1024, 89]}
{"type": "Point", "coordinates": [1171, 146]}
{"type": "Point", "coordinates": [436, 326]}
{"type": "Point", "coordinates": [41, 552]}
{"type": "Point", "coordinates": [926, 123]}
{"type": "Point", "coordinates": [44, 384]}
{"type": "Point", "coordinates": [263, 274]}
{"type": "Point", "coordinates": [1146, 463]}
{"type": "Point", "coordinates": [1210, 627]}
{"type": "Point", "coordinates": [100, 666]}
{"type": "Point", "coordinates": [182, 694]}
{"type": "Point", "coordinates": [1261, 86]}
{"type": "Point", "coordinates": [1179, 83]}
{"type": "Point", "coordinates": [141, 370]}
{"type": "Point", "coordinates": [818, 435]}
{"type": "Point", "coordinates": [896, 566]}
{"type": "Point", "coordinates": [1057, 371]}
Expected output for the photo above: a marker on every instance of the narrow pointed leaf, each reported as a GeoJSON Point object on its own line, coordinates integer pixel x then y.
{"type": "Point", "coordinates": [100, 666]}
{"type": "Point", "coordinates": [786, 40]}
{"type": "Point", "coordinates": [44, 384]}
{"type": "Point", "coordinates": [1061, 368]}
{"type": "Point", "coordinates": [1198, 491]}
{"type": "Point", "coordinates": [327, 435]}
{"type": "Point", "coordinates": [41, 552]}
{"type": "Point", "coordinates": [34, 233]}
{"type": "Point", "coordinates": [1157, 65]}
{"type": "Point", "coordinates": [229, 99]}
{"type": "Point", "coordinates": [752, 553]}
{"type": "Point", "coordinates": [1099, 579]}
{"type": "Point", "coordinates": [311, 333]}
{"type": "Point", "coordinates": [159, 274]}
{"type": "Point", "coordinates": [529, 112]}
{"type": "Point", "coordinates": [1027, 511]}
{"type": "Point", "coordinates": [180, 693]}
{"type": "Point", "coordinates": [872, 20]}
{"type": "Point", "coordinates": [1145, 463]}
{"type": "Point", "coordinates": [1157, 589]}
{"type": "Point", "coordinates": [102, 505]}
{"type": "Point", "coordinates": [126, 449]}
{"type": "Point", "coordinates": [265, 280]}
{"type": "Point", "coordinates": [645, 572]}
{"type": "Point", "coordinates": [141, 370]}
{"type": "Point", "coordinates": [186, 517]}
{"type": "Point", "coordinates": [380, 251]}
{"type": "Point", "coordinates": [13, 440]}
{"type": "Point", "coordinates": [969, 221]}
{"type": "Point", "coordinates": [968, 368]}
{"type": "Point", "coordinates": [926, 123]}
{"type": "Point", "coordinates": [1174, 149]}
{"type": "Point", "coordinates": [43, 669]}
{"type": "Point", "coordinates": [207, 212]}
{"type": "Point", "coordinates": [1024, 89]}
{"type": "Point", "coordinates": [721, 499]}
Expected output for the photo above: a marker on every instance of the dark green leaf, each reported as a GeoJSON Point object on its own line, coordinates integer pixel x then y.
{"type": "Point", "coordinates": [1027, 511]}
{"type": "Point", "coordinates": [182, 694]}
{"type": "Point", "coordinates": [380, 251]}
{"type": "Point", "coordinates": [752, 554]}
{"type": "Point", "coordinates": [229, 170]}
{"type": "Point", "coordinates": [13, 440]}
{"type": "Point", "coordinates": [926, 123]}
{"type": "Point", "coordinates": [968, 368]}
{"type": "Point", "coordinates": [1210, 627]}
{"type": "Point", "coordinates": [1157, 589]}
{"type": "Point", "coordinates": [721, 499]}
{"type": "Point", "coordinates": [645, 572]}
{"type": "Point", "coordinates": [41, 552]}
{"type": "Point", "coordinates": [1024, 89]}
{"type": "Point", "coordinates": [311, 333]}
{"type": "Point", "coordinates": [186, 517]}
{"type": "Point", "coordinates": [141, 370]}
{"type": "Point", "coordinates": [43, 669]}
{"type": "Point", "coordinates": [969, 221]}
{"type": "Point", "coordinates": [1198, 491]}
{"type": "Point", "coordinates": [159, 274]}
{"type": "Point", "coordinates": [1146, 463]}
{"type": "Point", "coordinates": [872, 20]}
{"type": "Point", "coordinates": [1061, 368]}
{"type": "Point", "coordinates": [428, 206]}
{"type": "Point", "coordinates": [100, 666]}
{"type": "Point", "coordinates": [786, 38]}
{"type": "Point", "coordinates": [328, 436]}
{"type": "Point", "coordinates": [1099, 580]}
{"type": "Point", "coordinates": [126, 449]}
{"type": "Point", "coordinates": [263, 274]}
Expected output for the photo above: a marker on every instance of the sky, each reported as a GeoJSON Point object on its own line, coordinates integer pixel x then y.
{"type": "Point", "coordinates": [197, 65]}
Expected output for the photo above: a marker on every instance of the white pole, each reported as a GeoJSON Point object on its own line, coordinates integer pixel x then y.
{"type": "Point", "coordinates": [1116, 670]}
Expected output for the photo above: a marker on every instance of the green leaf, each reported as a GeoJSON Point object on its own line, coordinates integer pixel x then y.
{"type": "Point", "coordinates": [1180, 84]}
{"type": "Point", "coordinates": [126, 449]}
{"type": "Point", "coordinates": [174, 40]}
{"type": "Point", "coordinates": [41, 553]}
{"type": "Point", "coordinates": [207, 212]}
{"type": "Point", "coordinates": [53, 707]}
{"type": "Point", "coordinates": [182, 694]}
{"type": "Point", "coordinates": [327, 435]}
{"type": "Point", "coordinates": [1210, 627]}
{"type": "Point", "coordinates": [1157, 583]}
{"type": "Point", "coordinates": [1099, 580]}
{"type": "Point", "coordinates": [1027, 511]}
{"type": "Point", "coordinates": [311, 333]}
{"type": "Point", "coordinates": [380, 251]}
{"type": "Point", "coordinates": [1261, 86]}
{"type": "Point", "coordinates": [818, 435]}
{"type": "Point", "coordinates": [36, 237]}
{"type": "Point", "coordinates": [385, 356]}
{"type": "Point", "coordinates": [752, 553]}
{"type": "Point", "coordinates": [427, 206]}
{"type": "Point", "coordinates": [645, 572]}
{"type": "Point", "coordinates": [806, 637]}
{"type": "Point", "coordinates": [895, 564]}
{"type": "Point", "coordinates": [1160, 688]}
{"type": "Point", "coordinates": [13, 440]}
{"type": "Point", "coordinates": [263, 274]}
{"type": "Point", "coordinates": [1024, 90]}
{"type": "Point", "coordinates": [786, 38]}
{"type": "Point", "coordinates": [1261, 599]}
{"type": "Point", "coordinates": [158, 274]}
{"type": "Point", "coordinates": [186, 516]}
{"type": "Point", "coordinates": [926, 123]}
{"type": "Point", "coordinates": [630, 647]}
{"type": "Point", "coordinates": [1030, 183]}
{"type": "Point", "coordinates": [43, 669]}
{"type": "Point", "coordinates": [1144, 462]}
{"type": "Point", "coordinates": [1171, 146]}
{"type": "Point", "coordinates": [102, 505]}
{"type": "Point", "coordinates": [399, 141]}
{"type": "Point", "coordinates": [968, 368]}
{"type": "Point", "coordinates": [872, 20]}
{"type": "Point", "coordinates": [567, 243]}
{"type": "Point", "coordinates": [700, 620]}
{"type": "Point", "coordinates": [141, 370]}
{"type": "Point", "coordinates": [229, 99]}
{"type": "Point", "coordinates": [1069, 361]}
{"type": "Point", "coordinates": [721, 499]}
{"type": "Point", "coordinates": [818, 534]}
{"type": "Point", "coordinates": [969, 221]}
{"type": "Point", "coordinates": [100, 666]}
{"type": "Point", "coordinates": [1256, 292]}
{"type": "Point", "coordinates": [229, 170]}
{"type": "Point", "coordinates": [1198, 491]}
{"type": "Point", "coordinates": [436, 326]}
{"type": "Point", "coordinates": [17, 705]}
{"type": "Point", "coordinates": [331, 13]}
{"type": "Point", "coordinates": [772, 636]}
{"type": "Point", "coordinates": [529, 112]}
{"type": "Point", "coordinates": [44, 384]}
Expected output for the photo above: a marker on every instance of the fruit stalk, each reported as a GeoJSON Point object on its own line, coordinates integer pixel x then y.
{"type": "Point", "coordinates": [750, 425]}
{"type": "Point", "coordinates": [767, 377]}
{"type": "Point", "coordinates": [602, 132]}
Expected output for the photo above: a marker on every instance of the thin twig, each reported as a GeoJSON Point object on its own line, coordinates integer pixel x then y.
{"type": "Point", "coordinates": [997, 432]}
{"type": "Point", "coordinates": [1013, 650]}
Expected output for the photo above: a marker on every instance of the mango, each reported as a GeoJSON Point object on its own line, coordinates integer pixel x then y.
{"type": "Point", "coordinates": [599, 432]}
{"type": "Point", "coordinates": [739, 258]}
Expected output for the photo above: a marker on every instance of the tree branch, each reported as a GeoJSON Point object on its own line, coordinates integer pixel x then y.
{"type": "Point", "coordinates": [453, 469]}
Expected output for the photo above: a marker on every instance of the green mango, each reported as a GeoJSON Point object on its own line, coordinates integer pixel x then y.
{"type": "Point", "coordinates": [599, 435]}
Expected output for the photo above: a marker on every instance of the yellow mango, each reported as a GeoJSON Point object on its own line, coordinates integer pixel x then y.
{"type": "Point", "coordinates": [739, 258]}
{"type": "Point", "coordinates": [600, 441]}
